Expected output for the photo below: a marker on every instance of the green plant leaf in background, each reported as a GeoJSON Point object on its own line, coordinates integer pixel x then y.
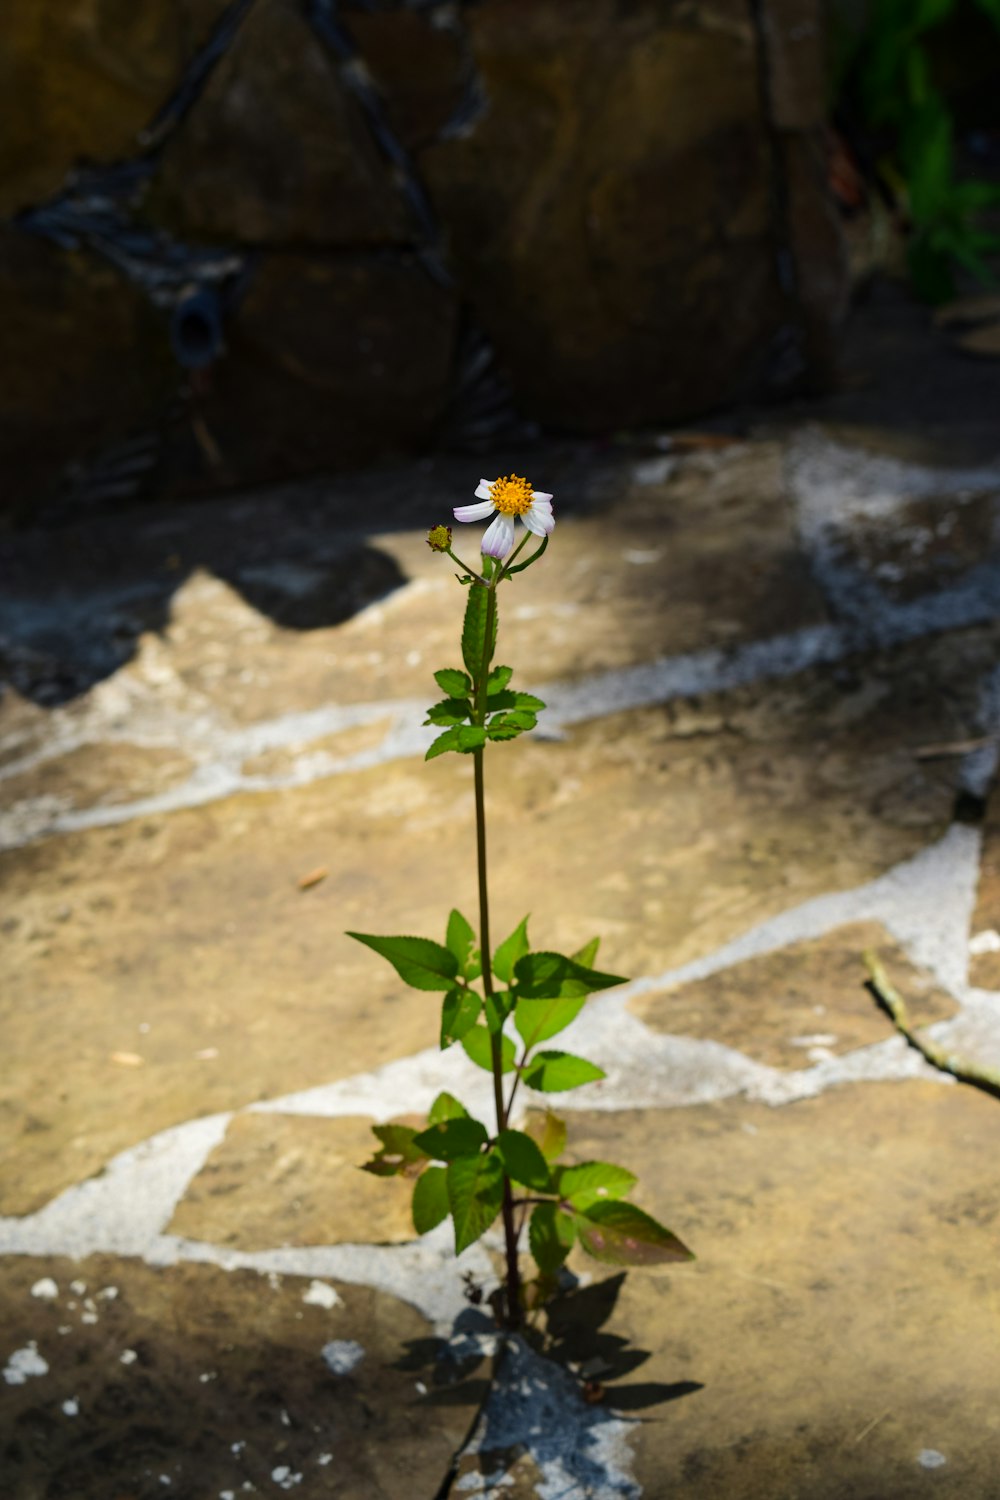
{"type": "Point", "coordinates": [475, 1194]}
{"type": "Point", "coordinates": [478, 1046]}
{"type": "Point", "coordinates": [556, 1072]}
{"type": "Point", "coordinates": [450, 1139]}
{"type": "Point", "coordinates": [446, 1107]}
{"type": "Point", "coordinates": [397, 1154]}
{"type": "Point", "coordinates": [523, 1160]}
{"type": "Point", "coordinates": [510, 950]}
{"type": "Point", "coordinates": [547, 1131]}
{"type": "Point", "coordinates": [460, 940]}
{"type": "Point", "coordinates": [430, 1199]}
{"type": "Point", "coordinates": [537, 1020]}
{"type": "Point", "coordinates": [547, 976]}
{"type": "Point", "coordinates": [622, 1235]}
{"type": "Point", "coordinates": [419, 962]}
{"type": "Point", "coordinates": [453, 682]}
{"type": "Point", "coordinates": [465, 738]}
{"type": "Point", "coordinates": [550, 1236]}
{"type": "Point", "coordinates": [459, 1013]}
{"type": "Point", "coordinates": [594, 1182]}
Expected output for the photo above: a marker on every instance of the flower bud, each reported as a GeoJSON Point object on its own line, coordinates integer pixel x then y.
{"type": "Point", "coordinates": [439, 538]}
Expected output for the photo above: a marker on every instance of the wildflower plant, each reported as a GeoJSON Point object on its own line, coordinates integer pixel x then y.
{"type": "Point", "coordinates": [504, 1005]}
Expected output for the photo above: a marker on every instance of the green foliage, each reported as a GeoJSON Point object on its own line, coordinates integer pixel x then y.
{"type": "Point", "coordinates": [523, 1160]}
{"type": "Point", "coordinates": [509, 951]}
{"type": "Point", "coordinates": [622, 1235]}
{"type": "Point", "coordinates": [593, 1182]}
{"type": "Point", "coordinates": [459, 1013]}
{"type": "Point", "coordinates": [456, 684]}
{"type": "Point", "coordinates": [557, 1072]}
{"type": "Point", "coordinates": [419, 962]}
{"type": "Point", "coordinates": [450, 1139]}
{"type": "Point", "coordinates": [446, 1107]}
{"type": "Point", "coordinates": [551, 1234]}
{"type": "Point", "coordinates": [475, 1194]}
{"type": "Point", "coordinates": [890, 63]}
{"type": "Point", "coordinates": [430, 1199]}
{"type": "Point", "coordinates": [398, 1152]}
{"type": "Point", "coordinates": [478, 1044]}
{"type": "Point", "coordinates": [460, 940]}
{"type": "Point", "coordinates": [548, 1133]}
{"type": "Point", "coordinates": [550, 976]}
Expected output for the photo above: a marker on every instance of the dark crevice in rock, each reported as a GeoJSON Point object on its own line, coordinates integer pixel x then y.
{"type": "Point", "coordinates": [787, 354]}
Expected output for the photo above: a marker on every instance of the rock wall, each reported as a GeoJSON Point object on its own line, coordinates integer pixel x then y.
{"type": "Point", "coordinates": [252, 240]}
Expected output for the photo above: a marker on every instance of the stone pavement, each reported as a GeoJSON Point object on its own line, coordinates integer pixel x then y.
{"type": "Point", "coordinates": [775, 717]}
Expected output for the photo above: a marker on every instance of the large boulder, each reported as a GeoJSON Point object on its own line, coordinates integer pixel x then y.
{"type": "Point", "coordinates": [276, 150]}
{"type": "Point", "coordinates": [80, 79]}
{"type": "Point", "coordinates": [330, 360]}
{"type": "Point", "coordinates": [611, 212]}
{"type": "Point", "coordinates": [84, 359]}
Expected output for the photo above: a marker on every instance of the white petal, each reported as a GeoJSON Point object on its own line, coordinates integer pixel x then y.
{"type": "Point", "coordinates": [541, 495]}
{"type": "Point", "coordinates": [474, 512]}
{"type": "Point", "coordinates": [485, 488]}
{"type": "Point", "coordinates": [499, 537]}
{"type": "Point", "coordinates": [545, 506]}
{"type": "Point", "coordinates": [538, 522]}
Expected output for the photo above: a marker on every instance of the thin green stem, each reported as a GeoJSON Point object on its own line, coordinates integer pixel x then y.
{"type": "Point", "coordinates": [465, 566]}
{"type": "Point", "coordinates": [496, 1044]}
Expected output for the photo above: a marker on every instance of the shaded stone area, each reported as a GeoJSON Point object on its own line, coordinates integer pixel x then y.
{"type": "Point", "coordinates": [137, 1380]}
{"type": "Point", "coordinates": [840, 1318]}
{"type": "Point", "coordinates": [805, 1003]}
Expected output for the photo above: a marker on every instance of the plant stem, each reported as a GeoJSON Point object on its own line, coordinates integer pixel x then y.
{"type": "Point", "coordinates": [510, 1233]}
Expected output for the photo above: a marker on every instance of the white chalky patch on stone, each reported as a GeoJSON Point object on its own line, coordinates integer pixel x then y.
{"type": "Point", "coordinates": [78, 1287]}
{"type": "Point", "coordinates": [342, 1355]}
{"type": "Point", "coordinates": [25, 1364]}
{"type": "Point", "coordinates": [71, 1407]}
{"type": "Point", "coordinates": [987, 941]}
{"type": "Point", "coordinates": [46, 1287]}
{"type": "Point", "coordinates": [284, 1477]}
{"type": "Point", "coordinates": [320, 1294]}
{"type": "Point", "coordinates": [128, 1357]}
{"type": "Point", "coordinates": [930, 1458]}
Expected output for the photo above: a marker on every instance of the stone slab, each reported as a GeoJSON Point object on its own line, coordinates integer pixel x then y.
{"type": "Point", "coordinates": [803, 1004]}
{"type": "Point", "coordinates": [984, 962]}
{"type": "Point", "coordinates": [284, 1179]}
{"type": "Point", "coordinates": [192, 1381]}
{"type": "Point", "coordinates": [841, 1319]}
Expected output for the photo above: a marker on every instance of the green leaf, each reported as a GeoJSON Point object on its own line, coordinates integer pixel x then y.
{"type": "Point", "coordinates": [460, 939]}
{"type": "Point", "coordinates": [478, 1045]}
{"type": "Point", "coordinates": [430, 1199]}
{"type": "Point", "coordinates": [506, 727]}
{"type": "Point", "coordinates": [477, 608]}
{"type": "Point", "coordinates": [446, 1107]}
{"type": "Point", "coordinates": [498, 680]}
{"type": "Point", "coordinates": [594, 1182]}
{"type": "Point", "coordinates": [397, 1153]}
{"type": "Point", "coordinates": [555, 1072]}
{"type": "Point", "coordinates": [509, 951]}
{"type": "Point", "coordinates": [622, 1235]}
{"type": "Point", "coordinates": [537, 1020]}
{"type": "Point", "coordinates": [529, 702]}
{"type": "Point", "coordinates": [587, 953]}
{"type": "Point", "coordinates": [497, 1008]}
{"type": "Point", "coordinates": [450, 1139]}
{"type": "Point", "coordinates": [449, 711]}
{"type": "Point", "coordinates": [459, 1013]}
{"type": "Point", "coordinates": [523, 1160]}
{"type": "Point", "coordinates": [550, 976]}
{"type": "Point", "coordinates": [475, 1194]}
{"type": "Point", "coordinates": [550, 1236]}
{"type": "Point", "coordinates": [462, 737]}
{"type": "Point", "coordinates": [453, 682]}
{"type": "Point", "coordinates": [547, 1131]}
{"type": "Point", "coordinates": [419, 962]}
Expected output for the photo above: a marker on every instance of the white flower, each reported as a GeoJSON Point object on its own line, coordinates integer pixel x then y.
{"type": "Point", "coordinates": [508, 497]}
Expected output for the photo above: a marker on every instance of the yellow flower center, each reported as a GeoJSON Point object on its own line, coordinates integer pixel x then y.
{"type": "Point", "coordinates": [512, 496]}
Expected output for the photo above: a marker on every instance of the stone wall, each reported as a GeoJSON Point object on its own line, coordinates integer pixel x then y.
{"type": "Point", "coordinates": [252, 240]}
